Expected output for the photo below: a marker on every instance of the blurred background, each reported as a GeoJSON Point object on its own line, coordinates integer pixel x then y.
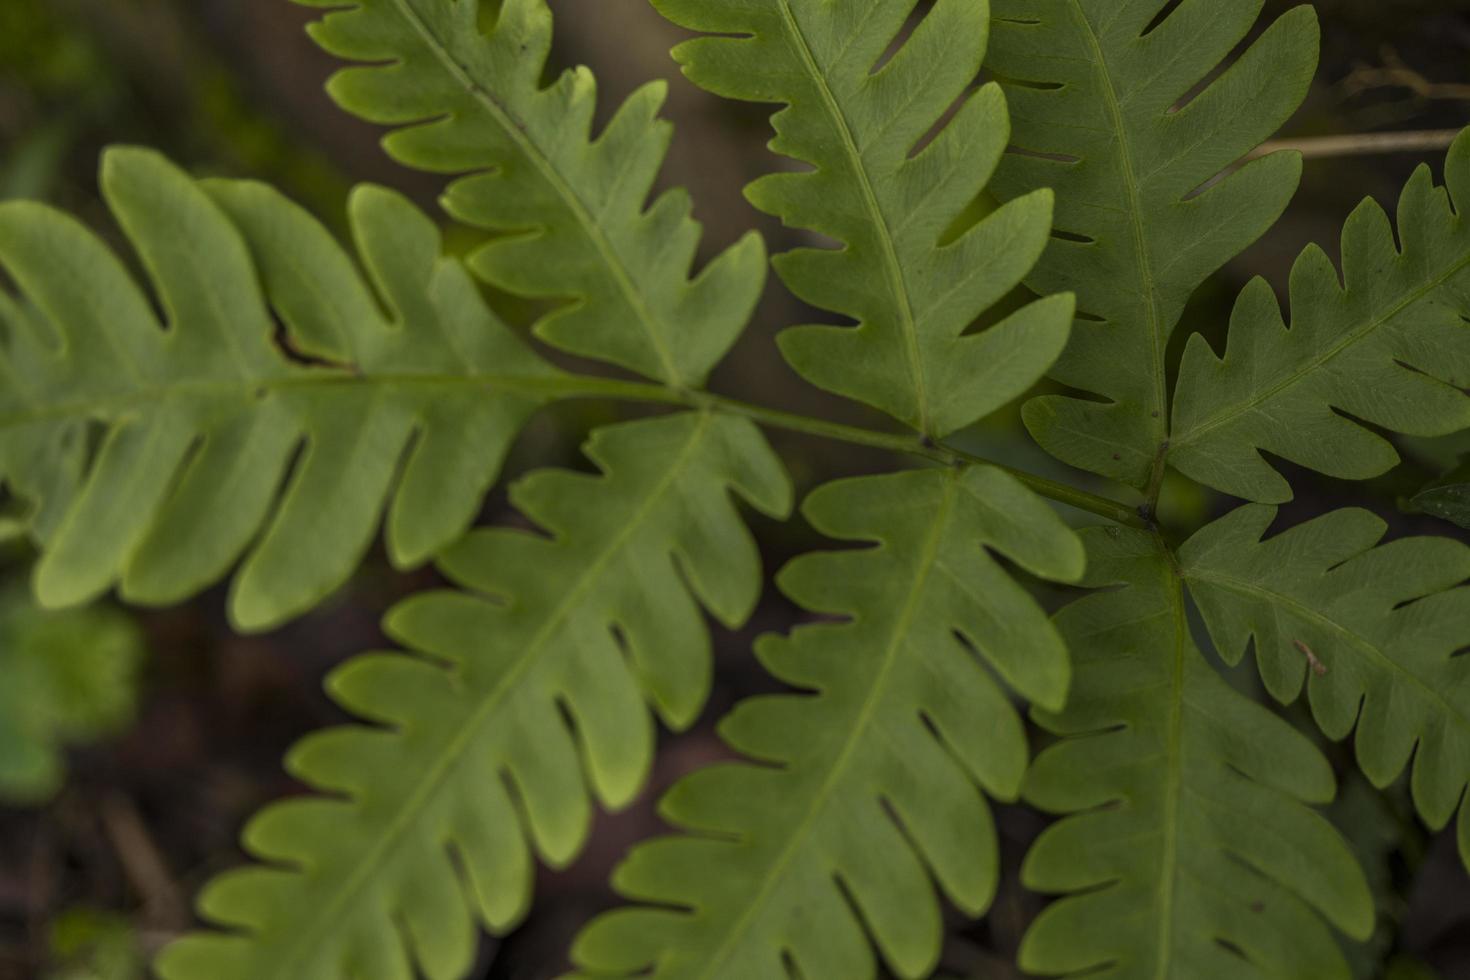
{"type": "Point", "coordinates": [134, 744]}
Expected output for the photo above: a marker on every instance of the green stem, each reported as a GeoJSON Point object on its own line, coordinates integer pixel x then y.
{"type": "Point", "coordinates": [1150, 509]}
{"type": "Point", "coordinates": [912, 445]}
{"type": "Point", "coordinates": [582, 386]}
{"type": "Point", "coordinates": [1117, 512]}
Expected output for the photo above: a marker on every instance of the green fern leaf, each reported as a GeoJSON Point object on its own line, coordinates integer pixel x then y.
{"type": "Point", "coordinates": [1387, 344]}
{"type": "Point", "coordinates": [1188, 852]}
{"type": "Point", "coordinates": [203, 419]}
{"type": "Point", "coordinates": [913, 278]}
{"type": "Point", "coordinates": [1095, 88]}
{"type": "Point", "coordinates": [571, 208]}
{"type": "Point", "coordinates": [533, 676]}
{"type": "Point", "coordinates": [1379, 628]}
{"type": "Point", "coordinates": [871, 784]}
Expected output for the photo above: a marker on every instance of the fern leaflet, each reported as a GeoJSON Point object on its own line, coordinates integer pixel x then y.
{"type": "Point", "coordinates": [570, 209]}
{"type": "Point", "coordinates": [1379, 628]}
{"type": "Point", "coordinates": [1388, 344]}
{"type": "Point", "coordinates": [203, 419]}
{"type": "Point", "coordinates": [1188, 851]}
{"type": "Point", "coordinates": [1118, 112]}
{"type": "Point", "coordinates": [515, 687]}
{"type": "Point", "coordinates": [910, 272]}
{"type": "Point", "coordinates": [872, 783]}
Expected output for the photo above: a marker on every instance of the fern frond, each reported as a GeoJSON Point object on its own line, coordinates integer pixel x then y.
{"type": "Point", "coordinates": [532, 676]}
{"type": "Point", "coordinates": [571, 208]}
{"type": "Point", "coordinates": [1389, 344]}
{"type": "Point", "coordinates": [1189, 851]}
{"type": "Point", "coordinates": [892, 192]}
{"type": "Point", "coordinates": [1103, 97]}
{"type": "Point", "coordinates": [872, 783]}
{"type": "Point", "coordinates": [1374, 631]}
{"type": "Point", "coordinates": [205, 419]}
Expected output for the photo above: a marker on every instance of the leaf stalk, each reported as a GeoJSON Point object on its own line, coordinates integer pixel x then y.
{"type": "Point", "coordinates": [913, 445]}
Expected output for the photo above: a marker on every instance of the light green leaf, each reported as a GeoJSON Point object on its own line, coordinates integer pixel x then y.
{"type": "Point", "coordinates": [1188, 850]}
{"type": "Point", "coordinates": [864, 788]}
{"type": "Point", "coordinates": [65, 678]}
{"type": "Point", "coordinates": [1387, 344]}
{"type": "Point", "coordinates": [572, 208]}
{"type": "Point", "coordinates": [891, 190]}
{"type": "Point", "coordinates": [1123, 114]}
{"type": "Point", "coordinates": [205, 417]}
{"type": "Point", "coordinates": [1375, 631]}
{"type": "Point", "coordinates": [523, 693]}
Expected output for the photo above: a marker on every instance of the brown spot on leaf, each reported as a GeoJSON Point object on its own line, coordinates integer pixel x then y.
{"type": "Point", "coordinates": [1318, 667]}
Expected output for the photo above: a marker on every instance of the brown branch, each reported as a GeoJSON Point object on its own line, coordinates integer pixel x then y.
{"type": "Point", "coordinates": [1396, 73]}
{"type": "Point", "coordinates": [143, 863]}
{"type": "Point", "coordinates": [1362, 144]}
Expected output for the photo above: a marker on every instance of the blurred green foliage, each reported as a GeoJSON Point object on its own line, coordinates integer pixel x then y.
{"type": "Point", "coordinates": [69, 86]}
{"type": "Point", "coordinates": [1407, 968]}
{"type": "Point", "coordinates": [36, 45]}
{"type": "Point", "coordinates": [69, 678]}
{"type": "Point", "coordinates": [92, 945]}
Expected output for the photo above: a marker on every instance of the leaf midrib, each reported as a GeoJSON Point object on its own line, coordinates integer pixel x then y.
{"type": "Point", "coordinates": [897, 283]}
{"type": "Point", "coordinates": [860, 725]}
{"type": "Point", "coordinates": [436, 774]}
{"type": "Point", "coordinates": [1174, 781]}
{"type": "Point", "coordinates": [122, 404]}
{"type": "Point", "coordinates": [517, 131]}
{"type": "Point", "coordinates": [1134, 213]}
{"type": "Point", "coordinates": [1354, 336]}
